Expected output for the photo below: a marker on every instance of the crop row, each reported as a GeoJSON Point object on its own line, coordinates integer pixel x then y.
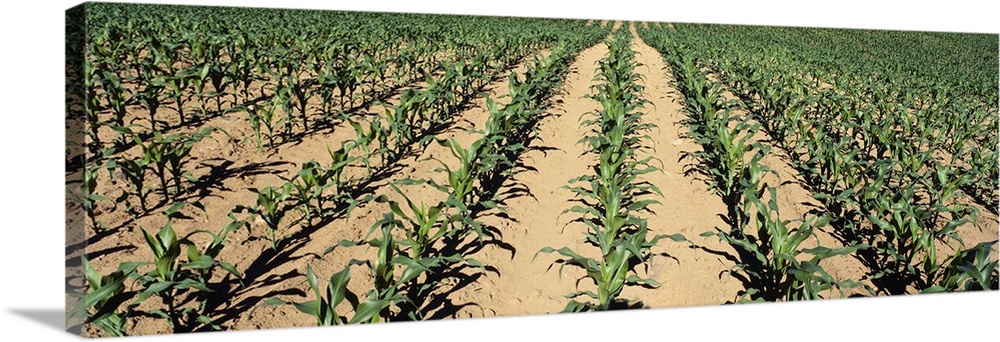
{"type": "Point", "coordinates": [282, 77]}
{"type": "Point", "coordinates": [887, 160]}
{"type": "Point", "coordinates": [611, 199]}
{"type": "Point", "coordinates": [417, 245]}
{"type": "Point", "coordinates": [280, 101]}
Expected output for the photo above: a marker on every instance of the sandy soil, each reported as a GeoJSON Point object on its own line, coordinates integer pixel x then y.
{"type": "Point", "coordinates": [795, 201]}
{"type": "Point", "coordinates": [517, 282]}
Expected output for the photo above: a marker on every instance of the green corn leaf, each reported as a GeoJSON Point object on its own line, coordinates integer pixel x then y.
{"type": "Point", "coordinates": [368, 310]}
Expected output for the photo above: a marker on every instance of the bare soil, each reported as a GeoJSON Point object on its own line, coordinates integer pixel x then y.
{"type": "Point", "coordinates": [519, 281]}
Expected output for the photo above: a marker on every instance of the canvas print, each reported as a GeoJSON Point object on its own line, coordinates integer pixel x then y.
{"type": "Point", "coordinates": [247, 168]}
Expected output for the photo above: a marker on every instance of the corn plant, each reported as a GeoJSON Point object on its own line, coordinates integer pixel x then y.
{"type": "Point", "coordinates": [323, 308]}
{"type": "Point", "coordinates": [134, 170]}
{"type": "Point", "coordinates": [87, 198]}
{"type": "Point", "coordinates": [91, 106]}
{"type": "Point", "coordinates": [116, 96]}
{"type": "Point", "coordinates": [969, 270]}
{"type": "Point", "coordinates": [168, 155]}
{"type": "Point", "coordinates": [908, 252]}
{"type": "Point", "coordinates": [327, 82]}
{"type": "Point", "coordinates": [388, 289]}
{"type": "Point", "coordinates": [149, 98]}
{"type": "Point", "coordinates": [220, 76]}
{"type": "Point", "coordinates": [612, 196]}
{"type": "Point", "coordinates": [461, 186]}
{"type": "Point", "coordinates": [310, 183]}
{"type": "Point", "coordinates": [100, 305]}
{"type": "Point", "coordinates": [308, 186]}
{"type": "Point", "coordinates": [200, 79]}
{"type": "Point", "coordinates": [173, 277]}
{"type": "Point", "coordinates": [364, 140]}
{"type": "Point", "coordinates": [347, 83]}
{"type": "Point", "coordinates": [405, 120]}
{"type": "Point", "coordinates": [284, 98]}
{"type": "Point", "coordinates": [271, 209]}
{"type": "Point", "coordinates": [424, 226]}
{"type": "Point", "coordinates": [769, 258]}
{"type": "Point", "coordinates": [263, 117]}
{"type": "Point", "coordinates": [300, 91]}
{"type": "Point", "coordinates": [177, 84]}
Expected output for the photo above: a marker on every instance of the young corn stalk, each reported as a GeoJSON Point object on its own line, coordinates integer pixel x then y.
{"type": "Point", "coordinates": [87, 197]}
{"type": "Point", "coordinates": [769, 258]}
{"type": "Point", "coordinates": [612, 197]}
{"type": "Point", "coordinates": [134, 171]}
{"type": "Point", "coordinates": [364, 140]}
{"type": "Point", "coordinates": [100, 304]}
{"type": "Point", "coordinates": [167, 155]}
{"type": "Point", "coordinates": [263, 117]}
{"type": "Point", "coordinates": [969, 270]}
{"type": "Point", "coordinates": [176, 278]}
{"type": "Point", "coordinates": [768, 249]}
{"type": "Point", "coordinates": [172, 279]}
{"type": "Point", "coordinates": [461, 187]}
{"type": "Point", "coordinates": [271, 209]}
{"type": "Point", "coordinates": [388, 291]}
{"type": "Point", "coordinates": [312, 182]}
{"type": "Point", "coordinates": [424, 226]}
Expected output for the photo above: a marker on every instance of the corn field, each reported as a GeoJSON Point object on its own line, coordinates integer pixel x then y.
{"type": "Point", "coordinates": [239, 168]}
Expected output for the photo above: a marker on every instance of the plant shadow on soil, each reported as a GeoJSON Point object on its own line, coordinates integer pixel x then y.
{"type": "Point", "coordinates": [271, 259]}
{"type": "Point", "coordinates": [256, 275]}
{"type": "Point", "coordinates": [844, 229]}
{"type": "Point", "coordinates": [440, 306]}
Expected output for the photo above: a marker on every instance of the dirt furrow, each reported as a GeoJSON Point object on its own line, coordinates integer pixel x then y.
{"type": "Point", "coordinates": [520, 284]}
{"type": "Point", "coordinates": [794, 201]}
{"type": "Point", "coordinates": [689, 276]}
{"type": "Point", "coordinates": [228, 181]}
{"type": "Point", "coordinates": [357, 224]}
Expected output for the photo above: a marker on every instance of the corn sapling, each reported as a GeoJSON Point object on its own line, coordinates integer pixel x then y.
{"type": "Point", "coordinates": [271, 208]}
{"type": "Point", "coordinates": [387, 289]}
{"type": "Point", "coordinates": [315, 185]}
{"type": "Point", "coordinates": [91, 108]}
{"type": "Point", "coordinates": [134, 170]}
{"type": "Point", "coordinates": [219, 76]}
{"type": "Point", "coordinates": [308, 186]}
{"type": "Point", "coordinates": [87, 197]}
{"type": "Point", "coordinates": [177, 275]}
{"type": "Point", "coordinates": [324, 307]}
{"type": "Point", "coordinates": [327, 82]}
{"type": "Point", "coordinates": [263, 117]}
{"type": "Point", "coordinates": [149, 98]}
{"type": "Point", "coordinates": [116, 96]}
{"type": "Point", "coordinates": [300, 90]}
{"type": "Point", "coordinates": [969, 270]}
{"type": "Point", "coordinates": [364, 140]}
{"type": "Point", "coordinates": [168, 156]}
{"type": "Point", "coordinates": [611, 196]}
{"type": "Point", "coordinates": [101, 303]}
{"type": "Point", "coordinates": [423, 227]}
{"type": "Point", "coordinates": [461, 182]}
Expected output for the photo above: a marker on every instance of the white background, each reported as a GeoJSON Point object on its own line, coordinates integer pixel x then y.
{"type": "Point", "coordinates": [32, 169]}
